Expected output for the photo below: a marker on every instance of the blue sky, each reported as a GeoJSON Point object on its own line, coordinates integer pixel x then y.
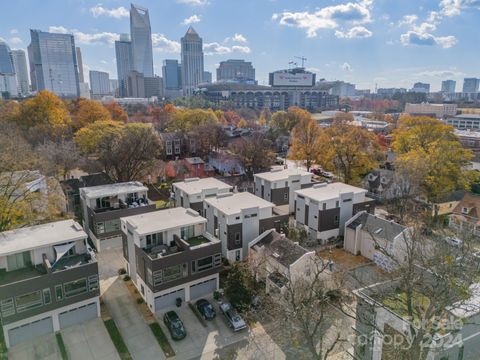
{"type": "Point", "coordinates": [392, 43]}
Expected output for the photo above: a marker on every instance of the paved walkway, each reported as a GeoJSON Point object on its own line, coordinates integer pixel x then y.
{"type": "Point", "coordinates": [135, 332]}
{"type": "Point", "coordinates": [44, 347]}
{"type": "Point", "coordinates": [89, 340]}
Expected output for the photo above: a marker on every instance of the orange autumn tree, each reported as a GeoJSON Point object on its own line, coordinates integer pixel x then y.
{"type": "Point", "coordinates": [305, 141]}
{"type": "Point", "coordinates": [116, 111]}
{"type": "Point", "coordinates": [89, 111]}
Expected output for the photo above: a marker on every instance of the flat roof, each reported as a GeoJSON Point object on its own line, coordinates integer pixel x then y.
{"type": "Point", "coordinates": [467, 133]}
{"type": "Point", "coordinates": [467, 116]}
{"type": "Point", "coordinates": [162, 220]}
{"type": "Point", "coordinates": [94, 192]}
{"type": "Point", "coordinates": [195, 185]}
{"type": "Point", "coordinates": [231, 204]}
{"type": "Point", "coordinates": [280, 174]}
{"type": "Point", "coordinates": [24, 239]}
{"type": "Point", "coordinates": [323, 192]}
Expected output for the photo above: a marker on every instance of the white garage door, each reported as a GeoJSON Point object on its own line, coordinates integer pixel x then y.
{"type": "Point", "coordinates": [203, 288]}
{"type": "Point", "coordinates": [29, 331]}
{"type": "Point", "coordinates": [167, 300]}
{"type": "Point", "coordinates": [78, 315]}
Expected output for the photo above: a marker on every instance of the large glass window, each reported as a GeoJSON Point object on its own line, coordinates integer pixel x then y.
{"type": "Point", "coordinates": [29, 301]}
{"type": "Point", "coordinates": [205, 263]}
{"type": "Point", "coordinates": [157, 277]}
{"type": "Point", "coordinates": [7, 307]}
{"type": "Point", "coordinates": [154, 240]}
{"type": "Point", "coordinates": [172, 273]}
{"type": "Point", "coordinates": [93, 283]}
{"type": "Point", "coordinates": [112, 225]}
{"type": "Point", "coordinates": [76, 287]}
{"type": "Point", "coordinates": [187, 232]}
{"type": "Point", "coordinates": [19, 261]}
{"type": "Point", "coordinates": [47, 297]}
{"type": "Point", "coordinates": [58, 292]}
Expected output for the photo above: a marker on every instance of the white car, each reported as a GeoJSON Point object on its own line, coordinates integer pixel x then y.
{"type": "Point", "coordinates": [234, 319]}
{"type": "Point", "coordinates": [454, 241]}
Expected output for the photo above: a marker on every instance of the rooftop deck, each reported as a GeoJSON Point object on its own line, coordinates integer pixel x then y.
{"type": "Point", "coordinates": [70, 262]}
{"type": "Point", "coordinates": [8, 277]}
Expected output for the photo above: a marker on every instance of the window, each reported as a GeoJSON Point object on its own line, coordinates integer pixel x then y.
{"type": "Point", "coordinates": [93, 283]}
{"type": "Point", "coordinates": [75, 287]}
{"type": "Point", "coordinates": [285, 196]}
{"type": "Point", "coordinates": [47, 297]}
{"type": "Point", "coordinates": [324, 206]}
{"type": "Point", "coordinates": [335, 220]}
{"type": "Point", "coordinates": [174, 272]}
{"type": "Point", "coordinates": [100, 228]}
{"type": "Point", "coordinates": [19, 261]}
{"type": "Point", "coordinates": [337, 203]}
{"type": "Point", "coordinates": [286, 183]}
{"type": "Point", "coordinates": [154, 240]}
{"type": "Point", "coordinates": [29, 301]}
{"type": "Point", "coordinates": [217, 260]}
{"type": "Point", "coordinates": [58, 292]}
{"type": "Point", "coordinates": [203, 264]}
{"type": "Point", "coordinates": [237, 238]}
{"type": "Point", "coordinates": [250, 216]}
{"type": "Point", "coordinates": [6, 307]}
{"type": "Point", "coordinates": [112, 225]}
{"type": "Point", "coordinates": [347, 200]}
{"type": "Point", "coordinates": [237, 255]}
{"type": "Point", "coordinates": [157, 277]}
{"type": "Point", "coordinates": [150, 276]}
{"type": "Point", "coordinates": [103, 203]}
{"type": "Point", "coordinates": [187, 232]}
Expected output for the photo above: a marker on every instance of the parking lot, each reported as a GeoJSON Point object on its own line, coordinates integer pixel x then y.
{"type": "Point", "coordinates": [202, 340]}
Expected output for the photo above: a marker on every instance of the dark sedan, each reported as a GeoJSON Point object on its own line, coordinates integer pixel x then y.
{"type": "Point", "coordinates": [174, 325]}
{"type": "Point", "coordinates": [205, 309]}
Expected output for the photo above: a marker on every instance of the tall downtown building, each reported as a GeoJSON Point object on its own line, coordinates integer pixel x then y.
{"type": "Point", "coordinates": [19, 61]}
{"type": "Point", "coordinates": [53, 63]}
{"type": "Point", "coordinates": [172, 78]}
{"type": "Point", "coordinates": [471, 85]}
{"type": "Point", "coordinates": [78, 52]}
{"type": "Point", "coordinates": [233, 69]}
{"type": "Point", "coordinates": [448, 86]}
{"type": "Point", "coordinates": [141, 37]}
{"type": "Point", "coordinates": [123, 54]}
{"type": "Point", "coordinates": [192, 61]}
{"type": "Point", "coordinates": [8, 82]}
{"type": "Point", "coordinates": [99, 83]}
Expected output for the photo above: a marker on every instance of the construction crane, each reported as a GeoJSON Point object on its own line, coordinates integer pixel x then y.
{"type": "Point", "coordinates": [301, 58]}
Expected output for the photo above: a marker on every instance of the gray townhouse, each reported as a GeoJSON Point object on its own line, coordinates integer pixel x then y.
{"type": "Point", "coordinates": [192, 192]}
{"type": "Point", "coordinates": [237, 219]}
{"type": "Point", "coordinates": [48, 280]}
{"type": "Point", "coordinates": [279, 185]}
{"type": "Point", "coordinates": [104, 205]}
{"type": "Point", "coordinates": [324, 208]}
{"type": "Point", "coordinates": [169, 256]}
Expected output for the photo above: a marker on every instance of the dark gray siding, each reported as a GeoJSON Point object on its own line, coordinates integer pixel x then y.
{"type": "Point", "coordinates": [145, 262]}
{"type": "Point", "coordinates": [197, 206]}
{"type": "Point", "coordinates": [274, 222]}
{"type": "Point", "coordinates": [278, 196]}
{"type": "Point", "coordinates": [368, 206]}
{"type": "Point", "coordinates": [48, 281]}
{"type": "Point", "coordinates": [231, 231]}
{"type": "Point", "coordinates": [326, 219]}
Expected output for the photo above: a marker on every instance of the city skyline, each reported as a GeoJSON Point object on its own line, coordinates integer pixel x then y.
{"type": "Point", "coordinates": [364, 42]}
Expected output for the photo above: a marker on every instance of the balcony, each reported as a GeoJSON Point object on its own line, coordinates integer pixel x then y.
{"type": "Point", "coordinates": [8, 277]}
{"type": "Point", "coordinates": [70, 262]}
{"type": "Point", "coordinates": [122, 205]}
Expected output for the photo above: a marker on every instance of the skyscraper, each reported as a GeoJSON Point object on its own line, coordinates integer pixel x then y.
{"type": "Point", "coordinates": [141, 37]}
{"type": "Point", "coordinates": [421, 87]}
{"type": "Point", "coordinates": [192, 61]}
{"type": "Point", "coordinates": [448, 86]}
{"type": "Point", "coordinates": [99, 83]}
{"type": "Point", "coordinates": [21, 71]}
{"type": "Point", "coordinates": [78, 52]}
{"type": "Point", "coordinates": [136, 84]}
{"type": "Point", "coordinates": [8, 82]}
{"type": "Point", "coordinates": [207, 77]}
{"type": "Point", "coordinates": [172, 78]}
{"type": "Point", "coordinates": [470, 85]}
{"type": "Point", "coordinates": [53, 63]}
{"type": "Point", "coordinates": [123, 53]}
{"type": "Point", "coordinates": [232, 70]}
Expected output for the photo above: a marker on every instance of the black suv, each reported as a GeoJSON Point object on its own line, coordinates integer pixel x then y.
{"type": "Point", "coordinates": [205, 309]}
{"type": "Point", "coordinates": [174, 325]}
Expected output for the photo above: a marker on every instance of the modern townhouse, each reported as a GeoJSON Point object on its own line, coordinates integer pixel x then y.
{"type": "Point", "coordinates": [377, 239]}
{"type": "Point", "coordinates": [104, 205]}
{"type": "Point", "coordinates": [170, 256]}
{"type": "Point", "coordinates": [279, 185]}
{"type": "Point", "coordinates": [192, 192]}
{"type": "Point", "coordinates": [324, 208]}
{"type": "Point", "coordinates": [48, 280]}
{"type": "Point", "coordinates": [237, 219]}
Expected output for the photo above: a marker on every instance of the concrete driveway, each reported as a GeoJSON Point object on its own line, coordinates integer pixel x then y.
{"type": "Point", "coordinates": [89, 340]}
{"type": "Point", "coordinates": [110, 259]}
{"type": "Point", "coordinates": [135, 332]}
{"type": "Point", "coordinates": [43, 347]}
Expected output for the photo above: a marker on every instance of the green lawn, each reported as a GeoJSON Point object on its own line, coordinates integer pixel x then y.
{"type": "Point", "coordinates": [162, 339]}
{"type": "Point", "coordinates": [197, 240]}
{"type": "Point", "coordinates": [61, 346]}
{"type": "Point", "coordinates": [117, 340]}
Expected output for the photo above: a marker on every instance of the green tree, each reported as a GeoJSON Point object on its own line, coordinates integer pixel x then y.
{"type": "Point", "coordinates": [185, 120]}
{"type": "Point", "coordinates": [240, 286]}
{"type": "Point", "coordinates": [91, 136]}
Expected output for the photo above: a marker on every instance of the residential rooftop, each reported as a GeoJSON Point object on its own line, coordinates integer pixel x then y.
{"type": "Point", "coordinates": [324, 191]}
{"type": "Point", "coordinates": [231, 203]}
{"type": "Point", "coordinates": [467, 133]}
{"type": "Point", "coordinates": [24, 239]}
{"type": "Point", "coordinates": [377, 227]}
{"type": "Point", "coordinates": [281, 174]}
{"type": "Point", "coordinates": [112, 189]}
{"type": "Point", "coordinates": [193, 186]}
{"type": "Point", "coordinates": [162, 220]}
{"type": "Point", "coordinates": [468, 116]}
{"type": "Point", "coordinates": [281, 248]}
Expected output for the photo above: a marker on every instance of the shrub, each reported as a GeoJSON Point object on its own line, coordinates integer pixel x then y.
{"type": "Point", "coordinates": [122, 271]}
{"type": "Point", "coordinates": [126, 278]}
{"type": "Point", "coordinates": [140, 300]}
{"type": "Point", "coordinates": [216, 295]}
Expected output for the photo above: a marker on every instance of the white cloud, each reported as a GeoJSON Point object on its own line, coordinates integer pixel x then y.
{"type": "Point", "coordinates": [327, 17]}
{"type": "Point", "coordinates": [215, 48]}
{"type": "Point", "coordinates": [193, 2]}
{"type": "Point", "coordinates": [116, 13]}
{"type": "Point", "coordinates": [15, 40]}
{"type": "Point", "coordinates": [236, 38]}
{"type": "Point", "coordinates": [191, 20]}
{"type": "Point", "coordinates": [408, 20]}
{"type": "Point", "coordinates": [440, 73]}
{"type": "Point", "coordinates": [454, 7]}
{"type": "Point", "coordinates": [84, 38]}
{"type": "Point", "coordinates": [104, 61]}
{"type": "Point", "coordinates": [14, 31]}
{"type": "Point", "coordinates": [346, 67]}
{"type": "Point", "coordinates": [427, 39]}
{"type": "Point", "coordinates": [162, 44]}
{"type": "Point", "coordinates": [357, 32]}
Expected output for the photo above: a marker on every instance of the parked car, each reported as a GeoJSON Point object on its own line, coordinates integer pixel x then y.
{"type": "Point", "coordinates": [453, 241]}
{"type": "Point", "coordinates": [235, 321]}
{"type": "Point", "coordinates": [205, 309]}
{"type": "Point", "coordinates": [174, 325]}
